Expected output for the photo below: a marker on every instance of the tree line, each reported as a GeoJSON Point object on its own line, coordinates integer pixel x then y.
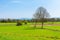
{"type": "Point", "coordinates": [31, 20]}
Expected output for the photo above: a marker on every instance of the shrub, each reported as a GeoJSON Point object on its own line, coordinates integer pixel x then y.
{"type": "Point", "coordinates": [19, 23]}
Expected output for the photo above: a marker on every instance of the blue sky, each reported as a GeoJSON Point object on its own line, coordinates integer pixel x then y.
{"type": "Point", "coordinates": [26, 8]}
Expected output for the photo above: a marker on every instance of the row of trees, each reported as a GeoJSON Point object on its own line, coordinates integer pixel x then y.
{"type": "Point", "coordinates": [8, 20]}
{"type": "Point", "coordinates": [31, 20]}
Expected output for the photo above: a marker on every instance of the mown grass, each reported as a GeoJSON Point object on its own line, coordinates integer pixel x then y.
{"type": "Point", "coordinates": [9, 31]}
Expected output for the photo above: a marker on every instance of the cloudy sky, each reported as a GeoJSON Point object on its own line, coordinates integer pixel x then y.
{"type": "Point", "coordinates": [26, 8]}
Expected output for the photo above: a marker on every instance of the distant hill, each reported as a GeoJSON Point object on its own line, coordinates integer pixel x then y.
{"type": "Point", "coordinates": [25, 18]}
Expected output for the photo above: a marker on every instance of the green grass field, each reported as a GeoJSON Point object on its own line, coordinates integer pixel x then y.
{"type": "Point", "coordinates": [9, 31]}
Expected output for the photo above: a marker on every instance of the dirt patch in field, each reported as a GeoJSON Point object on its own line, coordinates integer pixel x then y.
{"type": "Point", "coordinates": [46, 24]}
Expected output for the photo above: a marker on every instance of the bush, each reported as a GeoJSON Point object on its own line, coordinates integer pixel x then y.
{"type": "Point", "coordinates": [19, 23]}
{"type": "Point", "coordinates": [25, 22]}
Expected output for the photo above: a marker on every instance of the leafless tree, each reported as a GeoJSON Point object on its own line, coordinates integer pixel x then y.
{"type": "Point", "coordinates": [41, 14]}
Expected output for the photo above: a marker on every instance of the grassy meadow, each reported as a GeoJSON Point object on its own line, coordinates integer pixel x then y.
{"type": "Point", "coordinates": [9, 31]}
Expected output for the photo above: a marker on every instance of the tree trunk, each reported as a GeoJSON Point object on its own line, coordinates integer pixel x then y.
{"type": "Point", "coordinates": [42, 22]}
{"type": "Point", "coordinates": [35, 24]}
{"type": "Point", "coordinates": [42, 25]}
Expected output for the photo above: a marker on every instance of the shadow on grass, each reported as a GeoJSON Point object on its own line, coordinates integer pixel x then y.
{"type": "Point", "coordinates": [48, 29]}
{"type": "Point", "coordinates": [0, 36]}
{"type": "Point", "coordinates": [3, 38]}
{"type": "Point", "coordinates": [55, 37]}
{"type": "Point", "coordinates": [32, 28]}
{"type": "Point", "coordinates": [52, 29]}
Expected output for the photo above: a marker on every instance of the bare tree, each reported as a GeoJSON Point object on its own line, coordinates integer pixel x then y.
{"type": "Point", "coordinates": [41, 14]}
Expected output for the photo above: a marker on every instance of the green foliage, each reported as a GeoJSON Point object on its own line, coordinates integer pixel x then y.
{"type": "Point", "coordinates": [25, 21]}
{"type": "Point", "coordinates": [19, 23]}
{"type": "Point", "coordinates": [8, 20]}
